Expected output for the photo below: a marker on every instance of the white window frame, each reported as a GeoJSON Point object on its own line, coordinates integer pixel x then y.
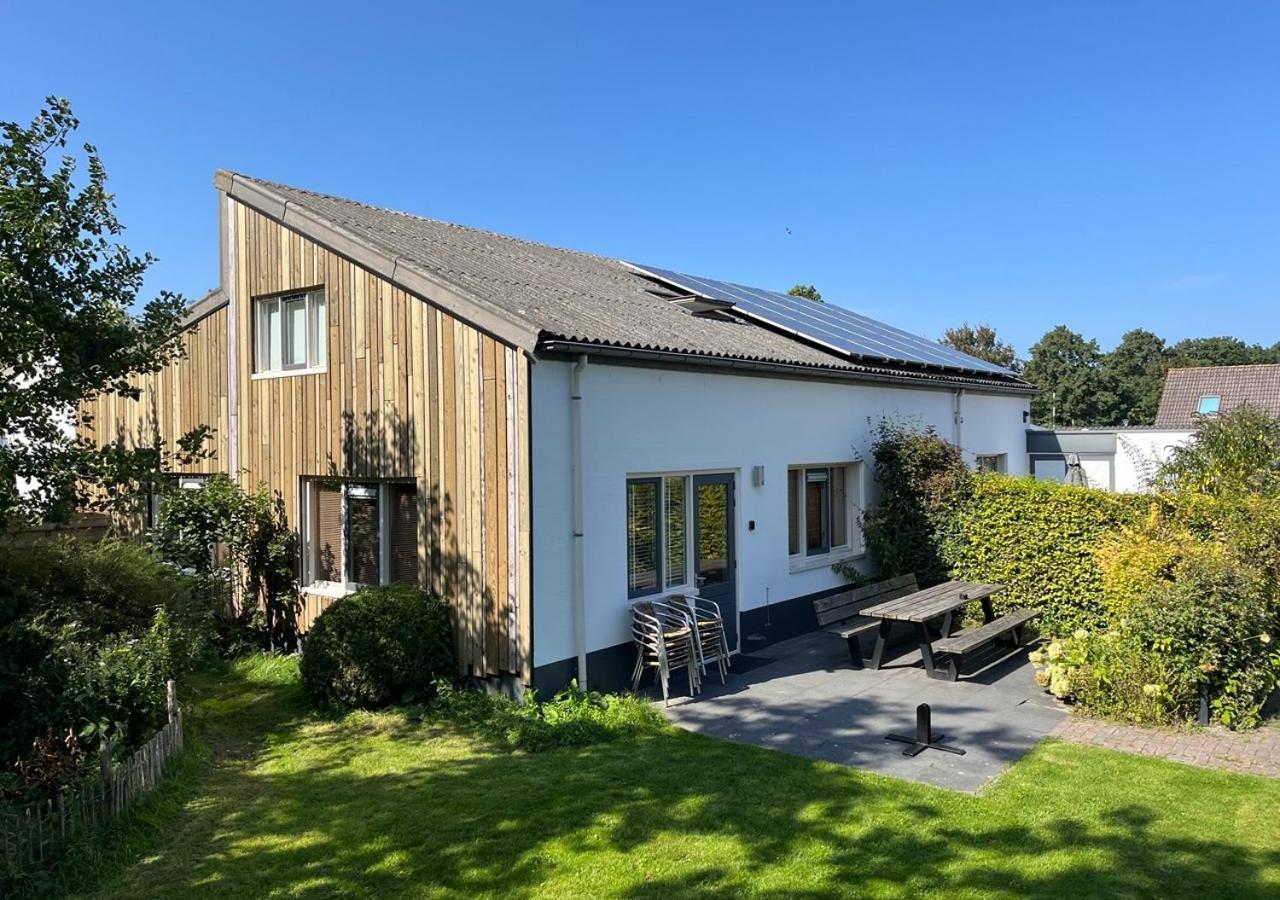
{"type": "Point", "coordinates": [1001, 462]}
{"type": "Point", "coordinates": [187, 482]}
{"type": "Point", "coordinates": [315, 348]}
{"type": "Point", "coordinates": [854, 543]}
{"type": "Point", "coordinates": [1217, 408]}
{"type": "Point", "coordinates": [309, 502]}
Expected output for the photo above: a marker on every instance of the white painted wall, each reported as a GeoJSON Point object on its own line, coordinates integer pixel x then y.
{"type": "Point", "coordinates": [645, 420]}
{"type": "Point", "coordinates": [1139, 452]}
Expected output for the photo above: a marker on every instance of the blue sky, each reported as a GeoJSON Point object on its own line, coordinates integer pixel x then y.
{"type": "Point", "coordinates": [1104, 165]}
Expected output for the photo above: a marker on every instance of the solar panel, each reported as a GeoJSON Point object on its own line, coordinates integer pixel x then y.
{"type": "Point", "coordinates": [832, 326]}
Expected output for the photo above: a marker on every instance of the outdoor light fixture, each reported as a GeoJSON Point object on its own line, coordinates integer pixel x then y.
{"type": "Point", "coordinates": [757, 476]}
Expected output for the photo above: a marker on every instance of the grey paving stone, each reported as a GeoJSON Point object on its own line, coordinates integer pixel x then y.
{"type": "Point", "coordinates": [810, 702]}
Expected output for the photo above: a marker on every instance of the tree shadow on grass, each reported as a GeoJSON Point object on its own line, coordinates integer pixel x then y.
{"type": "Point", "coordinates": [379, 804]}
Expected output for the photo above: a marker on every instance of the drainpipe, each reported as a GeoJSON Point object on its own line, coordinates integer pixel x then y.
{"type": "Point", "coordinates": [959, 419]}
{"type": "Point", "coordinates": [579, 579]}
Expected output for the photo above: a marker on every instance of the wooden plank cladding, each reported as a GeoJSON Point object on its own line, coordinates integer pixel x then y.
{"type": "Point", "coordinates": [406, 392]}
{"type": "Point", "coordinates": [173, 401]}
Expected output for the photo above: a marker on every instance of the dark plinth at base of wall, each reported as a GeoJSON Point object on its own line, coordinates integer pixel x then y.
{"type": "Point", "coordinates": [609, 669]}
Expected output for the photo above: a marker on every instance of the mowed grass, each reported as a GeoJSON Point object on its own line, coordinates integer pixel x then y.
{"type": "Point", "coordinates": [281, 802]}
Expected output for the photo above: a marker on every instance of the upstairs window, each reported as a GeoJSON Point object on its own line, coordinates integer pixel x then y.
{"type": "Point", "coordinates": [290, 333]}
{"type": "Point", "coordinates": [1209, 405]}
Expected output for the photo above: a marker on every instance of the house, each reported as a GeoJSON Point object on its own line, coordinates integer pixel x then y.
{"type": "Point", "coordinates": [1115, 459]}
{"type": "Point", "coordinates": [1190, 394]}
{"type": "Point", "coordinates": [1126, 458]}
{"type": "Point", "coordinates": [543, 435]}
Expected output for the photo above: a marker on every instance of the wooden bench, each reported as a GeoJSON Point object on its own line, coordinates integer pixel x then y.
{"type": "Point", "coordinates": [842, 613]}
{"type": "Point", "coordinates": [956, 646]}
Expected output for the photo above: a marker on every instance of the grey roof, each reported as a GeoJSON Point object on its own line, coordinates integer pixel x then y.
{"type": "Point", "coordinates": [209, 303]}
{"type": "Point", "coordinates": [1257, 386]}
{"type": "Point", "coordinates": [566, 296]}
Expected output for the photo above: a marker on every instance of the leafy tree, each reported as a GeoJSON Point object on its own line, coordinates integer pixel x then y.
{"type": "Point", "coordinates": [981, 341]}
{"type": "Point", "coordinates": [808, 291]}
{"type": "Point", "coordinates": [67, 288]}
{"type": "Point", "coordinates": [1220, 351]}
{"type": "Point", "coordinates": [1074, 390]}
{"type": "Point", "coordinates": [1136, 367]}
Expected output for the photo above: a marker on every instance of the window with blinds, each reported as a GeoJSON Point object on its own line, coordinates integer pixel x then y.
{"type": "Point", "coordinates": [821, 510]}
{"type": "Point", "coordinates": [642, 536]}
{"type": "Point", "coordinates": [328, 534]}
{"type": "Point", "coordinates": [402, 551]}
{"type": "Point", "coordinates": [363, 534]}
{"type": "Point", "coordinates": [674, 504]}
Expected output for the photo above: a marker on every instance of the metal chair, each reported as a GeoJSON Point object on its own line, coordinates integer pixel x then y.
{"type": "Point", "coordinates": [664, 639]}
{"type": "Point", "coordinates": [709, 632]}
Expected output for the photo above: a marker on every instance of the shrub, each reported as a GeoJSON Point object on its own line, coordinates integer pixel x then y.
{"type": "Point", "coordinates": [89, 633]}
{"type": "Point", "coordinates": [923, 481]}
{"type": "Point", "coordinates": [1037, 538]}
{"type": "Point", "coordinates": [1237, 453]}
{"type": "Point", "coordinates": [378, 646]}
{"type": "Point", "coordinates": [229, 537]}
{"type": "Point", "coordinates": [572, 718]}
{"type": "Point", "coordinates": [1209, 627]}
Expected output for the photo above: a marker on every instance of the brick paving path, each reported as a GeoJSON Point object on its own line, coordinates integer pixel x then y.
{"type": "Point", "coordinates": [1253, 752]}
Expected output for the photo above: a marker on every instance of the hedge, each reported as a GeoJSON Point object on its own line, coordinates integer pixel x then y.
{"type": "Point", "coordinates": [1038, 539]}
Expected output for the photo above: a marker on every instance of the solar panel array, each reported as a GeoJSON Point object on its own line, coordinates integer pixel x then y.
{"type": "Point", "coordinates": [832, 326]}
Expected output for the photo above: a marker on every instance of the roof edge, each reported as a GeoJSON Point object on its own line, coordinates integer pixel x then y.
{"type": "Point", "coordinates": [641, 356]}
{"type": "Point", "coordinates": [206, 306]}
{"type": "Point", "coordinates": [426, 285]}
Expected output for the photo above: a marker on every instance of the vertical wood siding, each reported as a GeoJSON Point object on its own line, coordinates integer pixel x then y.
{"type": "Point", "coordinates": [409, 392]}
{"type": "Point", "coordinates": [179, 398]}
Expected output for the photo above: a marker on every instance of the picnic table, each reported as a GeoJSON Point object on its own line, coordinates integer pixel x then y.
{"type": "Point", "coordinates": [943, 601]}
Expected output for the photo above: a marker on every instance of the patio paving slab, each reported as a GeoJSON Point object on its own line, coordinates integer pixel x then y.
{"type": "Point", "coordinates": [811, 702]}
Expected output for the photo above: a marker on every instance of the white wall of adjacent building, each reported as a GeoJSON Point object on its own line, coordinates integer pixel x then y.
{"type": "Point", "coordinates": [655, 420]}
{"type": "Point", "coordinates": [1140, 452]}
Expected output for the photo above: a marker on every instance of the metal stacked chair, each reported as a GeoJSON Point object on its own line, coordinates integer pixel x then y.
{"type": "Point", "coordinates": [665, 641]}
{"type": "Point", "coordinates": [708, 629]}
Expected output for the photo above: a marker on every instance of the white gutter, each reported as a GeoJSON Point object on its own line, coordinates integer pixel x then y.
{"type": "Point", "coordinates": [579, 580]}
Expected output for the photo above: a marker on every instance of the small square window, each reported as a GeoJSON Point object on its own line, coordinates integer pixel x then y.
{"type": "Point", "coordinates": [1209, 405]}
{"type": "Point", "coordinates": [992, 462]}
{"type": "Point", "coordinates": [290, 332]}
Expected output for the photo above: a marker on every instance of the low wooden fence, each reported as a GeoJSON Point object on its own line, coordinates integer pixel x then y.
{"type": "Point", "coordinates": [30, 838]}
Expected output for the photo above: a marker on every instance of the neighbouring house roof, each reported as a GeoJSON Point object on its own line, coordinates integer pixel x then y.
{"type": "Point", "coordinates": [556, 300]}
{"type": "Point", "coordinates": [1235, 386]}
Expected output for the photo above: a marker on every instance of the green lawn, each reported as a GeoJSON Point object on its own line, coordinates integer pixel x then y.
{"type": "Point", "coordinates": [283, 803]}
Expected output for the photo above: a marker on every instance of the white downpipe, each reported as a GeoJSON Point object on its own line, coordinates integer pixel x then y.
{"type": "Point", "coordinates": [579, 556]}
{"type": "Point", "coordinates": [959, 420]}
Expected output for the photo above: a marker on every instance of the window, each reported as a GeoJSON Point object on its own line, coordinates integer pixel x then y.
{"type": "Point", "coordinates": [290, 333]}
{"type": "Point", "coordinates": [658, 533]}
{"type": "Point", "coordinates": [820, 510]}
{"type": "Point", "coordinates": [184, 482]}
{"type": "Point", "coordinates": [993, 462]}
{"type": "Point", "coordinates": [360, 533]}
{"type": "Point", "coordinates": [1209, 405]}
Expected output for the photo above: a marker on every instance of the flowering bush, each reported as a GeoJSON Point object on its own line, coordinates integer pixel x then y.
{"type": "Point", "coordinates": [1207, 630]}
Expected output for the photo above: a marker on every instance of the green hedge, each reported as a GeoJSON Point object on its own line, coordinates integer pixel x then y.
{"type": "Point", "coordinates": [1037, 538]}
